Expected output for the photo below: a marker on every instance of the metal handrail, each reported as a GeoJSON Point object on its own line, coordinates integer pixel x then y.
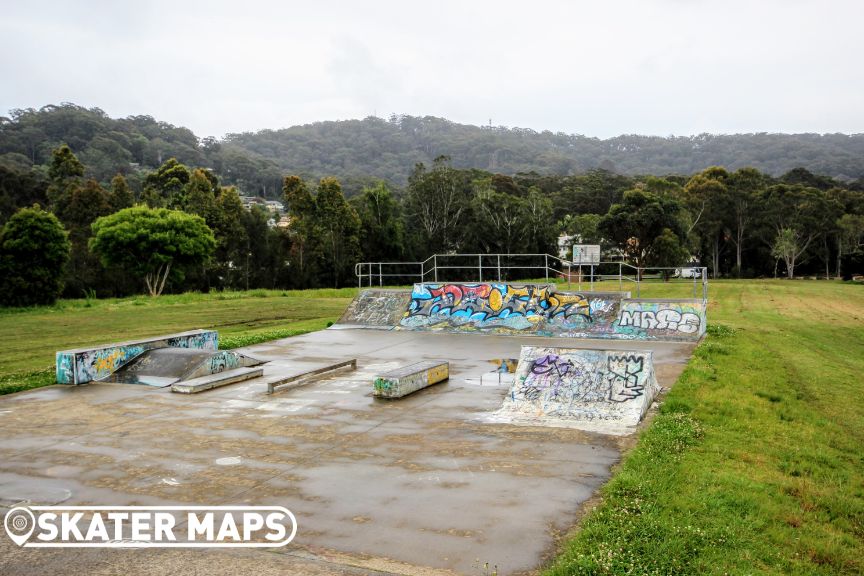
{"type": "Point", "coordinates": [428, 269]}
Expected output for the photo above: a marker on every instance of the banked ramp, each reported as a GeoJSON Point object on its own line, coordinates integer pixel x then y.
{"type": "Point", "coordinates": [166, 366]}
{"type": "Point", "coordinates": [532, 309]}
{"type": "Point", "coordinates": [376, 309]}
{"type": "Point", "coordinates": [601, 390]}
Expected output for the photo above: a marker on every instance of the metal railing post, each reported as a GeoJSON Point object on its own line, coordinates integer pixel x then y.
{"type": "Point", "coordinates": [569, 275]}
{"type": "Point", "coordinates": [592, 277]}
{"type": "Point", "coordinates": [694, 286]}
{"type": "Point", "coordinates": [620, 278]}
{"type": "Point", "coordinates": [546, 266]}
{"type": "Point", "coordinates": [480, 266]}
{"type": "Point", "coordinates": [499, 267]}
{"type": "Point", "coordinates": [638, 282]}
{"type": "Point", "coordinates": [435, 266]}
{"type": "Point", "coordinates": [422, 274]}
{"type": "Point", "coordinates": [380, 276]}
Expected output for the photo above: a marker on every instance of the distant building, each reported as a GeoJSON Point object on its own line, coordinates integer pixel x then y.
{"type": "Point", "coordinates": [274, 206]}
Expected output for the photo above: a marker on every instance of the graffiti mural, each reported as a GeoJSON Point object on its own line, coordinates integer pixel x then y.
{"type": "Point", "coordinates": [376, 308]}
{"type": "Point", "coordinates": [672, 319]}
{"type": "Point", "coordinates": [201, 340]}
{"type": "Point", "coordinates": [582, 385]}
{"type": "Point", "coordinates": [541, 310]}
{"type": "Point", "coordinates": [499, 307]}
{"type": "Point", "coordinates": [85, 365]}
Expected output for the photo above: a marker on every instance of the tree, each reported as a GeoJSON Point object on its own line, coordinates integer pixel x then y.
{"type": "Point", "coordinates": [167, 186]}
{"type": "Point", "coordinates": [638, 221]}
{"type": "Point", "coordinates": [302, 231]}
{"type": "Point", "coordinates": [788, 247]}
{"type": "Point", "coordinates": [201, 194]}
{"type": "Point", "coordinates": [152, 243]}
{"type": "Point", "coordinates": [667, 252]}
{"type": "Point", "coordinates": [232, 243]}
{"type": "Point", "coordinates": [744, 186]}
{"type": "Point", "coordinates": [85, 202]}
{"type": "Point", "coordinates": [65, 172]}
{"type": "Point", "coordinates": [539, 223]}
{"type": "Point", "coordinates": [791, 219]}
{"type": "Point", "coordinates": [382, 232]}
{"type": "Point", "coordinates": [583, 228]}
{"type": "Point", "coordinates": [340, 228]}
{"type": "Point", "coordinates": [33, 251]}
{"type": "Point", "coordinates": [20, 189]}
{"type": "Point", "coordinates": [120, 196]}
{"type": "Point", "coordinates": [499, 224]}
{"type": "Point", "coordinates": [436, 202]}
{"type": "Point", "coordinates": [851, 236]}
{"type": "Point", "coordinates": [706, 197]}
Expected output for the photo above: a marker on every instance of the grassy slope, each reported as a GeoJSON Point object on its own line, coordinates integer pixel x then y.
{"type": "Point", "coordinates": [756, 462]}
{"type": "Point", "coordinates": [30, 337]}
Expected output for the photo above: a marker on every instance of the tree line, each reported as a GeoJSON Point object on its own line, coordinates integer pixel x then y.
{"type": "Point", "coordinates": [184, 230]}
{"type": "Point", "coordinates": [360, 152]}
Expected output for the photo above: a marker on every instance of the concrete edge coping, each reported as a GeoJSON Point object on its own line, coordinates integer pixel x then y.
{"type": "Point", "coordinates": [303, 378]}
{"type": "Point", "coordinates": [669, 300]}
{"type": "Point", "coordinates": [133, 342]}
{"type": "Point", "coordinates": [414, 368]}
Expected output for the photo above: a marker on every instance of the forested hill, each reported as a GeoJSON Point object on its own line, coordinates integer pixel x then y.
{"type": "Point", "coordinates": [355, 150]}
{"type": "Point", "coordinates": [389, 149]}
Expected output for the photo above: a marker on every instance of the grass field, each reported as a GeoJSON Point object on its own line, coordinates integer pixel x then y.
{"type": "Point", "coordinates": [754, 465]}
{"type": "Point", "coordinates": [30, 337]}
{"type": "Point", "coordinates": [756, 461]}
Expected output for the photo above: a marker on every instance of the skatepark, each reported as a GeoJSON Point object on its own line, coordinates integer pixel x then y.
{"type": "Point", "coordinates": [525, 399]}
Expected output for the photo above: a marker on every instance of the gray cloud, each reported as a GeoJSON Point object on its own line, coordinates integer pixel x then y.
{"type": "Point", "coordinates": [595, 68]}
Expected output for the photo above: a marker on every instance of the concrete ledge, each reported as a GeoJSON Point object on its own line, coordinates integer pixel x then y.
{"type": "Point", "coordinates": [407, 379]}
{"type": "Point", "coordinates": [303, 378]}
{"type": "Point", "coordinates": [203, 383]}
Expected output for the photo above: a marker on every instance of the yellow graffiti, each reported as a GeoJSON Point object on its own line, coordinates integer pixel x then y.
{"type": "Point", "coordinates": [557, 300]}
{"type": "Point", "coordinates": [108, 362]}
{"type": "Point", "coordinates": [438, 374]}
{"type": "Point", "coordinates": [496, 301]}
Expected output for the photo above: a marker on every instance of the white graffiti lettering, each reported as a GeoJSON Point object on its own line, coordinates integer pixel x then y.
{"type": "Point", "coordinates": [664, 319]}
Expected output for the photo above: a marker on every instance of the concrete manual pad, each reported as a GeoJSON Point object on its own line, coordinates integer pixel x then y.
{"type": "Point", "coordinates": [418, 486]}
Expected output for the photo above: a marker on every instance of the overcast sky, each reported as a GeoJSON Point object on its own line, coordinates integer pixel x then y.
{"type": "Point", "coordinates": [599, 68]}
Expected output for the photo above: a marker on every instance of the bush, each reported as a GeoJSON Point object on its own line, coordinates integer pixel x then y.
{"type": "Point", "coordinates": [34, 248]}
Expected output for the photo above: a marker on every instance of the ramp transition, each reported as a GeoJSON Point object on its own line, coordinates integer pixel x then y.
{"type": "Point", "coordinates": [593, 389]}
{"type": "Point", "coordinates": [537, 309]}
{"type": "Point", "coordinates": [376, 308]}
{"type": "Point", "coordinates": [167, 366]}
{"type": "Point", "coordinates": [83, 365]}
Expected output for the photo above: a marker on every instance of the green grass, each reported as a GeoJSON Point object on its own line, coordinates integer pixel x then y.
{"type": "Point", "coordinates": [755, 463]}
{"type": "Point", "coordinates": [29, 337]}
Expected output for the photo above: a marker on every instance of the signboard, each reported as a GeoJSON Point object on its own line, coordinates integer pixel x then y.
{"type": "Point", "coordinates": [586, 254]}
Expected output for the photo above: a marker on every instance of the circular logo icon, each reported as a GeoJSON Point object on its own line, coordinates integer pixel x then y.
{"type": "Point", "coordinates": [19, 524]}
